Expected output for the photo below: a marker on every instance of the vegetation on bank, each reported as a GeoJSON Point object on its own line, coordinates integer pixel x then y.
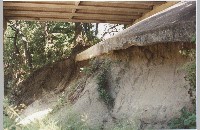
{"type": "Point", "coordinates": [187, 119]}
{"type": "Point", "coordinates": [31, 45]}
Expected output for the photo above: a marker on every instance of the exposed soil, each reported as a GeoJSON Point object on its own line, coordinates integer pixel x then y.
{"type": "Point", "coordinates": [146, 82]}
{"type": "Point", "coordinates": [52, 77]}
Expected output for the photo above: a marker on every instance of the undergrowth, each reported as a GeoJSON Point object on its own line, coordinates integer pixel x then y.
{"type": "Point", "coordinates": [94, 65]}
{"type": "Point", "coordinates": [42, 125]}
{"type": "Point", "coordinates": [103, 89]}
{"type": "Point", "coordinates": [73, 121]}
{"type": "Point", "coordinates": [11, 114]}
{"type": "Point", "coordinates": [124, 124]}
{"type": "Point", "coordinates": [65, 121]}
{"type": "Point", "coordinates": [187, 119]}
{"type": "Point", "coordinates": [60, 103]}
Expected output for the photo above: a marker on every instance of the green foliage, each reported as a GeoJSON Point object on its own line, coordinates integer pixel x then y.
{"type": "Point", "coordinates": [191, 74]}
{"type": "Point", "coordinates": [89, 35]}
{"type": "Point", "coordinates": [74, 122]}
{"type": "Point", "coordinates": [103, 88]}
{"type": "Point", "coordinates": [125, 125]}
{"type": "Point", "coordinates": [29, 45]}
{"type": "Point", "coordinates": [69, 120]}
{"type": "Point", "coordinates": [86, 70]}
{"type": "Point", "coordinates": [193, 40]}
{"type": "Point", "coordinates": [191, 53]}
{"type": "Point", "coordinates": [10, 114]}
{"type": "Point", "coordinates": [47, 124]}
{"type": "Point", "coordinates": [60, 103]}
{"type": "Point", "coordinates": [190, 68]}
{"type": "Point", "coordinates": [187, 120]}
{"type": "Point", "coordinates": [102, 82]}
{"type": "Point", "coordinates": [94, 65]}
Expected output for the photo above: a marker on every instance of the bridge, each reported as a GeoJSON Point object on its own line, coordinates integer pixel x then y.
{"type": "Point", "coordinates": [151, 22]}
{"type": "Point", "coordinates": [79, 11]}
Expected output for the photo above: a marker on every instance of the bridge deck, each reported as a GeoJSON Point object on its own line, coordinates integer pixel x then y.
{"type": "Point", "coordinates": [79, 11]}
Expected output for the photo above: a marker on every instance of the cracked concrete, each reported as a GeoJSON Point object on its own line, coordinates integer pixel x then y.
{"type": "Point", "coordinates": [175, 24]}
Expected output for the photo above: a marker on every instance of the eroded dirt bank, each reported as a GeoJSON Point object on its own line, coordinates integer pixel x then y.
{"type": "Point", "coordinates": [147, 84]}
{"type": "Point", "coordinates": [51, 77]}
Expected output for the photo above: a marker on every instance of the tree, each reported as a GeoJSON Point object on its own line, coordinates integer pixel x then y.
{"type": "Point", "coordinates": [29, 45]}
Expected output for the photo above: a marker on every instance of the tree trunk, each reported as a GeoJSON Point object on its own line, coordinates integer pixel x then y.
{"type": "Point", "coordinates": [27, 55]}
{"type": "Point", "coordinates": [96, 30]}
{"type": "Point", "coordinates": [4, 25]}
{"type": "Point", "coordinates": [16, 54]}
{"type": "Point", "coordinates": [15, 42]}
{"type": "Point", "coordinates": [46, 33]}
{"type": "Point", "coordinates": [78, 30]}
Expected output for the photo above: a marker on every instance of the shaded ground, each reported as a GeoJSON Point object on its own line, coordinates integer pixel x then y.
{"type": "Point", "coordinates": [52, 77]}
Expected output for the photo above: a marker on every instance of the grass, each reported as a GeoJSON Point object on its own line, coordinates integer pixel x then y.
{"type": "Point", "coordinates": [42, 125]}
{"type": "Point", "coordinates": [187, 120]}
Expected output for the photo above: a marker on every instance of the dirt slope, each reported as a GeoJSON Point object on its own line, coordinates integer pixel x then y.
{"type": "Point", "coordinates": [52, 77]}
{"type": "Point", "coordinates": [147, 84]}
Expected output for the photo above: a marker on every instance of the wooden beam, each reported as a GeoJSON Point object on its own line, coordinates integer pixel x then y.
{"type": "Point", "coordinates": [53, 2]}
{"type": "Point", "coordinates": [106, 16]}
{"type": "Point", "coordinates": [156, 10]}
{"type": "Point", "coordinates": [107, 3]}
{"type": "Point", "coordinates": [9, 8]}
{"type": "Point", "coordinates": [109, 12]}
{"type": "Point", "coordinates": [8, 13]}
{"type": "Point", "coordinates": [58, 14]}
{"type": "Point", "coordinates": [104, 19]}
{"type": "Point", "coordinates": [123, 12]}
{"type": "Point", "coordinates": [148, 3]}
{"type": "Point", "coordinates": [114, 4]}
{"type": "Point", "coordinates": [14, 4]}
{"type": "Point", "coordinates": [36, 14]}
{"type": "Point", "coordinates": [68, 20]}
{"type": "Point", "coordinates": [44, 9]}
{"type": "Point", "coordinates": [74, 10]}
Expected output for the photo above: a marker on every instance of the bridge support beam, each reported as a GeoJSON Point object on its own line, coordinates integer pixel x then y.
{"type": "Point", "coordinates": [174, 24]}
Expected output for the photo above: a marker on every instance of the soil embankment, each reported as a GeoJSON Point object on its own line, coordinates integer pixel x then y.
{"type": "Point", "coordinates": [147, 84]}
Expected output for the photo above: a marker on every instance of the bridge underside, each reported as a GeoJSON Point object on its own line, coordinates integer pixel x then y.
{"type": "Point", "coordinates": [153, 22]}
{"type": "Point", "coordinates": [175, 24]}
{"type": "Point", "coordinates": [79, 11]}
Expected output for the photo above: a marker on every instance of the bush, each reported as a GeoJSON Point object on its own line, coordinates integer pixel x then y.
{"type": "Point", "coordinates": [187, 120]}
{"type": "Point", "coordinates": [10, 114]}
{"type": "Point", "coordinates": [125, 125]}
{"type": "Point", "coordinates": [103, 89]}
{"type": "Point", "coordinates": [94, 65]}
{"type": "Point", "coordinates": [42, 125]}
{"type": "Point", "coordinates": [73, 121]}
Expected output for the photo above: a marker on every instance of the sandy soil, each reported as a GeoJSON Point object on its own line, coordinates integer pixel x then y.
{"type": "Point", "coordinates": [147, 84]}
